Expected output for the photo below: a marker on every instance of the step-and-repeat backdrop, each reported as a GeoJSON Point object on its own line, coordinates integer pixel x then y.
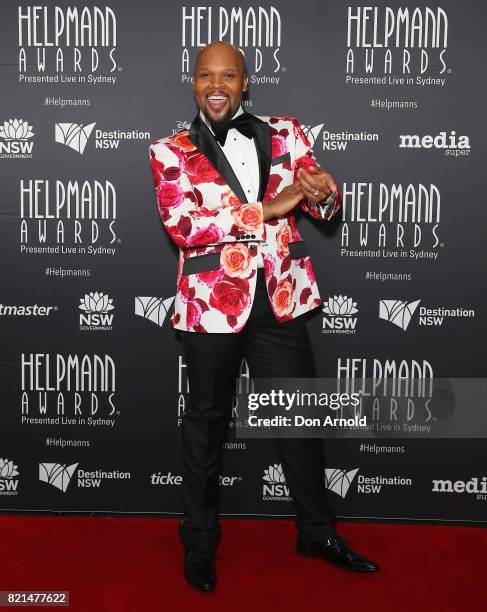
{"type": "Point", "coordinates": [93, 381]}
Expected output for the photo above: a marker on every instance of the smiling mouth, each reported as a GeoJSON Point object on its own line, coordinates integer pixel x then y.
{"type": "Point", "coordinates": [217, 102]}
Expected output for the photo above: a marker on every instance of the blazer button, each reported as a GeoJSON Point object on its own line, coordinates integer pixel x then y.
{"type": "Point", "coordinates": [252, 235]}
{"type": "Point", "coordinates": [253, 250]}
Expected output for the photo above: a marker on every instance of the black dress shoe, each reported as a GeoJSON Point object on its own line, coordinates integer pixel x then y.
{"type": "Point", "coordinates": [199, 568]}
{"type": "Point", "coordinates": [336, 550]}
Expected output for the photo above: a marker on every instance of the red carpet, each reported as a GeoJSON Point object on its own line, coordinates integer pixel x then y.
{"type": "Point", "coordinates": [134, 565]}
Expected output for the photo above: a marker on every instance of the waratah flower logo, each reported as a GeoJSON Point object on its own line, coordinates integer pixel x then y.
{"type": "Point", "coordinates": [7, 469]}
{"type": "Point", "coordinates": [96, 302]}
{"type": "Point", "coordinates": [340, 305]}
{"type": "Point", "coordinates": [16, 129]}
{"type": "Point", "coordinates": [274, 473]}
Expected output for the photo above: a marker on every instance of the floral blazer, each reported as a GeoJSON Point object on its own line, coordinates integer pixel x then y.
{"type": "Point", "coordinates": [204, 209]}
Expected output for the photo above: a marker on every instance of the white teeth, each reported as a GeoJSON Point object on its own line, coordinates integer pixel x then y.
{"type": "Point", "coordinates": [216, 98]}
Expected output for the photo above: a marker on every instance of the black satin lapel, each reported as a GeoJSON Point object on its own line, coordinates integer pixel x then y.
{"type": "Point", "coordinates": [203, 139]}
{"type": "Point", "coordinates": [262, 133]}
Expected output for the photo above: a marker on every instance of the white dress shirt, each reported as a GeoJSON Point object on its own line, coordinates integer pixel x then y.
{"type": "Point", "coordinates": [241, 153]}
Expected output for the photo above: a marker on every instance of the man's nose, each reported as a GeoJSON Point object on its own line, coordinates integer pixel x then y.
{"type": "Point", "coordinates": [217, 81]}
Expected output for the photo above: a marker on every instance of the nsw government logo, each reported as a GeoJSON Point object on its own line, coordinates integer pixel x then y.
{"type": "Point", "coordinates": [8, 482]}
{"type": "Point", "coordinates": [339, 481]}
{"type": "Point", "coordinates": [275, 488]}
{"type": "Point", "coordinates": [96, 307]}
{"type": "Point", "coordinates": [339, 319]}
{"type": "Point", "coordinates": [15, 135]}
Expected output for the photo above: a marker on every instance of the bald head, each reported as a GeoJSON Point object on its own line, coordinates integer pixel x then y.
{"type": "Point", "coordinates": [220, 48]}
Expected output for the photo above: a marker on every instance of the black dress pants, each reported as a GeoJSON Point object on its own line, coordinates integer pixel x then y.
{"type": "Point", "coordinates": [272, 350]}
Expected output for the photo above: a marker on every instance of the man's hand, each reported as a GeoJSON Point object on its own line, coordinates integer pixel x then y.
{"type": "Point", "coordinates": [316, 183]}
{"type": "Point", "coordinates": [285, 201]}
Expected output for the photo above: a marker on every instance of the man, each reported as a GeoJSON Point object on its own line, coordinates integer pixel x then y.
{"type": "Point", "coordinates": [226, 191]}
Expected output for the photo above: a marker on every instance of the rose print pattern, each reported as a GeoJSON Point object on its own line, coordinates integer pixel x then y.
{"type": "Point", "coordinates": [202, 215]}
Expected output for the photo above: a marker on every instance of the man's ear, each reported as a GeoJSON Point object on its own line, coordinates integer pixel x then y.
{"type": "Point", "coordinates": [246, 83]}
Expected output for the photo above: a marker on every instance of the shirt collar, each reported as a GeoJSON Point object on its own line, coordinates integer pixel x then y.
{"type": "Point", "coordinates": [203, 118]}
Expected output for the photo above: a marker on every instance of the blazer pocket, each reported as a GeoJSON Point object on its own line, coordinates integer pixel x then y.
{"type": "Point", "coordinates": [280, 158]}
{"type": "Point", "coordinates": [297, 249]}
{"type": "Point", "coordinates": [201, 263]}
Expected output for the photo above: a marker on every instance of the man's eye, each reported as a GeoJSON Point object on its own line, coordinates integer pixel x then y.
{"type": "Point", "coordinates": [229, 75]}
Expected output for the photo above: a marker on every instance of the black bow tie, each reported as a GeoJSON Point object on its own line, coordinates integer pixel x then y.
{"type": "Point", "coordinates": [241, 123]}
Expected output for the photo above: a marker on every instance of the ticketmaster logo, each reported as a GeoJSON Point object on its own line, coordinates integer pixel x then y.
{"type": "Point", "coordinates": [397, 312]}
{"type": "Point", "coordinates": [56, 474]}
{"type": "Point", "coordinates": [339, 481]}
{"type": "Point", "coordinates": [74, 135]}
{"type": "Point", "coordinates": [153, 308]}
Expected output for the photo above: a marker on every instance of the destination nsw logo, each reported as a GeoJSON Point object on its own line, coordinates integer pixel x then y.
{"type": "Point", "coordinates": [59, 476]}
{"type": "Point", "coordinates": [339, 481]}
{"type": "Point", "coordinates": [401, 312]}
{"type": "Point", "coordinates": [67, 389]}
{"type": "Point", "coordinates": [154, 309]}
{"type": "Point", "coordinates": [76, 136]}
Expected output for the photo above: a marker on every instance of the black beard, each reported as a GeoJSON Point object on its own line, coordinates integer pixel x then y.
{"type": "Point", "coordinates": [222, 123]}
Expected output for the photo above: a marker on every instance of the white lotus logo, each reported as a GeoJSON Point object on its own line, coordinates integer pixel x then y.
{"type": "Point", "coordinates": [96, 302]}
{"type": "Point", "coordinates": [274, 473]}
{"type": "Point", "coordinates": [7, 469]}
{"type": "Point", "coordinates": [16, 129]}
{"type": "Point", "coordinates": [340, 305]}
